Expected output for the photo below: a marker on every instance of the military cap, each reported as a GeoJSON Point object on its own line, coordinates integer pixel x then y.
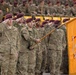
{"type": "Point", "coordinates": [57, 2]}
{"type": "Point", "coordinates": [46, 19]}
{"type": "Point", "coordinates": [38, 19]}
{"type": "Point", "coordinates": [24, 1]}
{"type": "Point", "coordinates": [64, 20]}
{"type": "Point", "coordinates": [57, 23]}
{"type": "Point", "coordinates": [45, 22]}
{"type": "Point", "coordinates": [19, 15]}
{"type": "Point", "coordinates": [1, 1]}
{"type": "Point", "coordinates": [29, 0]}
{"type": "Point", "coordinates": [7, 16]}
{"type": "Point", "coordinates": [51, 21]}
{"type": "Point", "coordinates": [29, 20]}
{"type": "Point", "coordinates": [66, 4]}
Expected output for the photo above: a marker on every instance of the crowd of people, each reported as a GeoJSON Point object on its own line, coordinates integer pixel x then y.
{"type": "Point", "coordinates": [26, 47]}
{"type": "Point", "coordinates": [22, 52]}
{"type": "Point", "coordinates": [40, 7]}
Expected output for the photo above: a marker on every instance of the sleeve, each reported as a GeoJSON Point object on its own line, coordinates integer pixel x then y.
{"type": "Point", "coordinates": [26, 36]}
{"type": "Point", "coordinates": [64, 41]}
{"type": "Point", "coordinates": [18, 42]}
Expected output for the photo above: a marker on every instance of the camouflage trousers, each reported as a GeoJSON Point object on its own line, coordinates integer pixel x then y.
{"type": "Point", "coordinates": [8, 63]}
{"type": "Point", "coordinates": [44, 58]}
{"type": "Point", "coordinates": [26, 63]}
{"type": "Point", "coordinates": [38, 60]}
{"type": "Point", "coordinates": [55, 60]}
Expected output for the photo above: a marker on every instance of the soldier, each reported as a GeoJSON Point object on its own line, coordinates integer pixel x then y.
{"type": "Point", "coordinates": [74, 9]}
{"type": "Point", "coordinates": [32, 8]}
{"type": "Point", "coordinates": [27, 56]}
{"type": "Point", "coordinates": [64, 67]}
{"type": "Point", "coordinates": [16, 8]}
{"type": "Point", "coordinates": [44, 47]}
{"type": "Point", "coordinates": [4, 7]}
{"type": "Point", "coordinates": [47, 27]}
{"type": "Point", "coordinates": [10, 44]}
{"type": "Point", "coordinates": [24, 7]}
{"type": "Point", "coordinates": [59, 9]}
{"type": "Point", "coordinates": [68, 11]}
{"type": "Point", "coordinates": [50, 9]}
{"type": "Point", "coordinates": [41, 10]}
{"type": "Point", "coordinates": [55, 48]}
{"type": "Point", "coordinates": [18, 21]}
{"type": "Point", "coordinates": [39, 33]}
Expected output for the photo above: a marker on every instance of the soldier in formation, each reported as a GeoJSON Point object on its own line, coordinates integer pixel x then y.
{"type": "Point", "coordinates": [41, 7]}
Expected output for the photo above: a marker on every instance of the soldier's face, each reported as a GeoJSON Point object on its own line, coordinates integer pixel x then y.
{"type": "Point", "coordinates": [30, 24]}
{"type": "Point", "coordinates": [10, 22]}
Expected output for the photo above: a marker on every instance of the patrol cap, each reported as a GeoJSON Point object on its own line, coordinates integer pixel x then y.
{"type": "Point", "coordinates": [7, 16]}
{"type": "Point", "coordinates": [64, 20]}
{"type": "Point", "coordinates": [19, 15]}
{"type": "Point", "coordinates": [38, 19]}
{"type": "Point", "coordinates": [29, 20]}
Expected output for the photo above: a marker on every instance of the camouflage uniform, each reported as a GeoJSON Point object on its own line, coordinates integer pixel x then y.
{"type": "Point", "coordinates": [47, 29]}
{"type": "Point", "coordinates": [25, 9]}
{"type": "Point", "coordinates": [16, 9]}
{"type": "Point", "coordinates": [74, 10]}
{"type": "Point", "coordinates": [59, 10]}
{"type": "Point", "coordinates": [55, 51]}
{"type": "Point", "coordinates": [42, 10]}
{"type": "Point", "coordinates": [5, 8]}
{"type": "Point", "coordinates": [64, 67]}
{"type": "Point", "coordinates": [44, 50]}
{"type": "Point", "coordinates": [32, 8]}
{"type": "Point", "coordinates": [68, 11]}
{"type": "Point", "coordinates": [27, 57]}
{"type": "Point", "coordinates": [10, 46]}
{"type": "Point", "coordinates": [38, 52]}
{"type": "Point", "coordinates": [51, 10]}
